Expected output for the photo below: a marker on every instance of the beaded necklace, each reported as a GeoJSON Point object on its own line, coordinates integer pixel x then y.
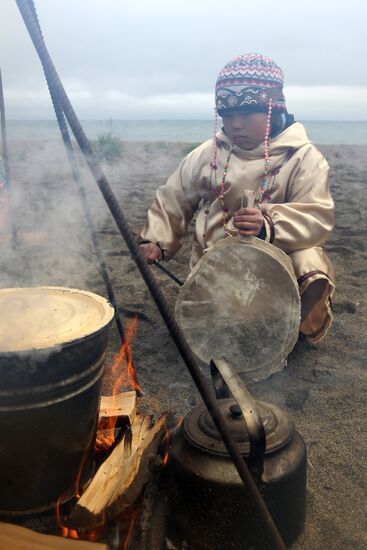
{"type": "Point", "coordinates": [264, 183]}
{"type": "Point", "coordinates": [219, 190]}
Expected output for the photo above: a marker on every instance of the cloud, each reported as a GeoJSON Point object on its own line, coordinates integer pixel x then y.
{"type": "Point", "coordinates": [125, 59]}
{"type": "Point", "coordinates": [306, 102]}
{"type": "Point", "coordinates": [328, 102]}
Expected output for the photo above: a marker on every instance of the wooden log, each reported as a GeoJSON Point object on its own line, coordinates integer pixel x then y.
{"type": "Point", "coordinates": [120, 479]}
{"type": "Point", "coordinates": [121, 404]}
{"type": "Point", "coordinates": [117, 411]}
{"type": "Point", "coordinates": [14, 537]}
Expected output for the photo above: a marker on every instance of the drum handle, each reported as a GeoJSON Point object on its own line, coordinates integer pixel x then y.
{"type": "Point", "coordinates": [227, 383]}
{"type": "Point", "coordinates": [248, 199]}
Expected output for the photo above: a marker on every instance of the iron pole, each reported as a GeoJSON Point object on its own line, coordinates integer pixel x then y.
{"type": "Point", "coordinates": [81, 192]}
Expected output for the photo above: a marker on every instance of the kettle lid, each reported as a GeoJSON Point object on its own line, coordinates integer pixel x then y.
{"type": "Point", "coordinates": [199, 429]}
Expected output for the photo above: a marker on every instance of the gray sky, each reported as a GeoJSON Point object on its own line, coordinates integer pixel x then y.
{"type": "Point", "coordinates": [127, 59]}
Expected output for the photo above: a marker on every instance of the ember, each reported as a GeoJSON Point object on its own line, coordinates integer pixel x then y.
{"type": "Point", "coordinates": [132, 517]}
{"type": "Point", "coordinates": [64, 531]}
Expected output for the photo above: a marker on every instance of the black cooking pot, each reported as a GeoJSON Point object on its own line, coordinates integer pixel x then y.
{"type": "Point", "coordinates": [49, 402]}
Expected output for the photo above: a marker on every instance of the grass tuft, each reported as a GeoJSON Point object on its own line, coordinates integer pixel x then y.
{"type": "Point", "coordinates": [108, 147]}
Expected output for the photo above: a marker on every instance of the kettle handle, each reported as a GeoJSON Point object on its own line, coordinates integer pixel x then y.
{"type": "Point", "coordinates": [234, 386]}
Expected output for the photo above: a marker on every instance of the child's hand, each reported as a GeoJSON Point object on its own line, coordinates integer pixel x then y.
{"type": "Point", "coordinates": [151, 252]}
{"type": "Point", "coordinates": [248, 221]}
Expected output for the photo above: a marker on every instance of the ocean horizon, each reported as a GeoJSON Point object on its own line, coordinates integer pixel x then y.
{"type": "Point", "coordinates": [192, 131]}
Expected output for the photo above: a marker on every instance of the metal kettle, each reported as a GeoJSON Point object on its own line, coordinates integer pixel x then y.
{"type": "Point", "coordinates": [209, 506]}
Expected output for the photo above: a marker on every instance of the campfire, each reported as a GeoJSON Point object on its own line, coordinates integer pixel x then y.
{"type": "Point", "coordinates": [109, 507]}
{"type": "Point", "coordinates": [130, 449]}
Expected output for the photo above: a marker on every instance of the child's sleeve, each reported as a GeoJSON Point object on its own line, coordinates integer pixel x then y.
{"type": "Point", "coordinates": [172, 209]}
{"type": "Point", "coordinates": [307, 218]}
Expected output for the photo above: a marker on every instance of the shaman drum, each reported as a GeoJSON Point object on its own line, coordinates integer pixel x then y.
{"type": "Point", "coordinates": [52, 348]}
{"type": "Point", "coordinates": [241, 301]}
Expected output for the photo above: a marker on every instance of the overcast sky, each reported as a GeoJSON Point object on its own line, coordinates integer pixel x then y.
{"type": "Point", "coordinates": [159, 59]}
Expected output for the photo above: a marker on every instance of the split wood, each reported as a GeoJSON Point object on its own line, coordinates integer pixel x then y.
{"type": "Point", "coordinates": [119, 481]}
{"type": "Point", "coordinates": [121, 405]}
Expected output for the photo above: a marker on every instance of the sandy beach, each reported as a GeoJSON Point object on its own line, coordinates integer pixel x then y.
{"type": "Point", "coordinates": [323, 387]}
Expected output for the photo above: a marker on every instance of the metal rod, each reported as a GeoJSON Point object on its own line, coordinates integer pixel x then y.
{"type": "Point", "coordinates": [168, 272]}
{"type": "Point", "coordinates": [81, 191]}
{"type": "Point", "coordinates": [5, 152]}
{"type": "Point", "coordinates": [4, 141]}
{"type": "Point", "coordinates": [146, 272]}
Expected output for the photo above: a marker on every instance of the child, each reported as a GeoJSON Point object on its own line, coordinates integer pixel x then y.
{"type": "Point", "coordinates": [259, 148]}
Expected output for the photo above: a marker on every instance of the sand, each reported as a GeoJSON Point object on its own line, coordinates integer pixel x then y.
{"type": "Point", "coordinates": [323, 387]}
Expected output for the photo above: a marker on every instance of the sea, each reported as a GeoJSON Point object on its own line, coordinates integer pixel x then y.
{"type": "Point", "coordinates": [192, 131]}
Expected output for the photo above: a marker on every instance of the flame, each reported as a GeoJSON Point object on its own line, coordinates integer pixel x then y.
{"type": "Point", "coordinates": [133, 513]}
{"type": "Point", "coordinates": [165, 458]}
{"type": "Point", "coordinates": [132, 373]}
{"type": "Point", "coordinates": [93, 535]}
{"type": "Point", "coordinates": [165, 442]}
{"type": "Point", "coordinates": [106, 434]}
{"type": "Point", "coordinates": [124, 372]}
{"type": "Point", "coordinates": [80, 471]}
{"type": "Point", "coordinates": [64, 531]}
{"type": "Point", "coordinates": [125, 355]}
{"type": "Point", "coordinates": [167, 438]}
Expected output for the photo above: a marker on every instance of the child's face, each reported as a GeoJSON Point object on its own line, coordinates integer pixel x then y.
{"type": "Point", "coordinates": [247, 130]}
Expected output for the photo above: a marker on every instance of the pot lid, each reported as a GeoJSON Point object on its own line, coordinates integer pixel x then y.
{"type": "Point", "coordinates": [199, 429]}
{"type": "Point", "coordinates": [45, 317]}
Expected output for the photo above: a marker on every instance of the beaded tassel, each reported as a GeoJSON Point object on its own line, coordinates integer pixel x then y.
{"type": "Point", "coordinates": [213, 168]}
{"type": "Point", "coordinates": [220, 192]}
{"type": "Point", "coordinates": [263, 184]}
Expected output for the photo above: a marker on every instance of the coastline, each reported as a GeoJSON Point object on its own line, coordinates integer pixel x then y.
{"type": "Point", "coordinates": [325, 132]}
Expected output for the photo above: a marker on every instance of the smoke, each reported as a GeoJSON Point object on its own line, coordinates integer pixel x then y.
{"type": "Point", "coordinates": [52, 244]}
{"type": "Point", "coordinates": [45, 208]}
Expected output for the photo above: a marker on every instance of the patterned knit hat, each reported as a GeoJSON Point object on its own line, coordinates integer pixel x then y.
{"type": "Point", "coordinates": [247, 83]}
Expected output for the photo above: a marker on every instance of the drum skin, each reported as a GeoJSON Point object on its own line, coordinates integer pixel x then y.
{"type": "Point", "coordinates": [241, 301]}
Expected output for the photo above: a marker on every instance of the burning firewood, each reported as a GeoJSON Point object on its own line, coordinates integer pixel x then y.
{"type": "Point", "coordinates": [122, 404]}
{"type": "Point", "coordinates": [116, 410]}
{"type": "Point", "coordinates": [120, 479]}
{"type": "Point", "coordinates": [14, 537]}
